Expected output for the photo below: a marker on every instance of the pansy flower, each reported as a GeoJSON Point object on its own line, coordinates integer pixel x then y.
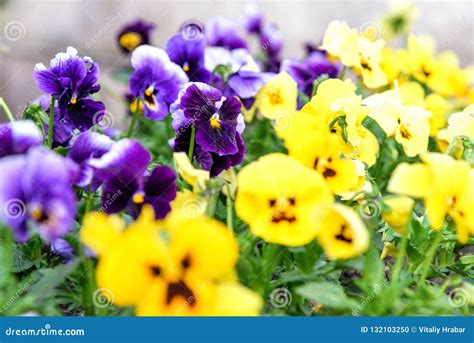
{"type": "Point", "coordinates": [210, 161]}
{"type": "Point", "coordinates": [87, 146]}
{"type": "Point", "coordinates": [245, 77]}
{"type": "Point", "coordinates": [341, 232]}
{"type": "Point", "coordinates": [189, 54]}
{"type": "Point", "coordinates": [277, 197]}
{"type": "Point", "coordinates": [446, 187]}
{"type": "Point", "coordinates": [36, 194]}
{"type": "Point", "coordinates": [123, 170]}
{"type": "Point", "coordinates": [306, 72]}
{"type": "Point", "coordinates": [72, 79]}
{"type": "Point", "coordinates": [214, 117]}
{"type": "Point", "coordinates": [223, 32]}
{"type": "Point", "coordinates": [18, 136]}
{"type": "Point", "coordinates": [156, 80]}
{"type": "Point", "coordinates": [397, 212]}
{"type": "Point", "coordinates": [169, 268]}
{"type": "Point", "coordinates": [134, 34]}
{"type": "Point", "coordinates": [337, 106]}
{"type": "Point", "coordinates": [316, 147]}
{"type": "Point", "coordinates": [278, 97]}
{"type": "Point", "coordinates": [362, 53]}
{"type": "Point", "coordinates": [410, 125]}
{"type": "Point", "coordinates": [460, 124]}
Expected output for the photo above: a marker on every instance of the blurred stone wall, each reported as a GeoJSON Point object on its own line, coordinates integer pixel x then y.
{"type": "Point", "coordinates": [32, 31]}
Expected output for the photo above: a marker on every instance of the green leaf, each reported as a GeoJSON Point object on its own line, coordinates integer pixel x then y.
{"type": "Point", "coordinates": [327, 294]}
{"type": "Point", "coordinates": [50, 279]}
{"type": "Point", "coordinates": [21, 262]}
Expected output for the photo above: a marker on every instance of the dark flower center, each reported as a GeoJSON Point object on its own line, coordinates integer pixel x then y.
{"type": "Point", "coordinates": [176, 289]}
{"type": "Point", "coordinates": [343, 235]}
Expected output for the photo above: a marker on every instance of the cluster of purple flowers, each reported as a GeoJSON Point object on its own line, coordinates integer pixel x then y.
{"type": "Point", "coordinates": [203, 78]}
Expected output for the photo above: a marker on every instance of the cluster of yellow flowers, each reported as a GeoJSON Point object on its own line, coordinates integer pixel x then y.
{"type": "Point", "coordinates": [185, 264]}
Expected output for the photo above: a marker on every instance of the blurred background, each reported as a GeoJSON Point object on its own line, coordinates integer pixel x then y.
{"type": "Point", "coordinates": [32, 31]}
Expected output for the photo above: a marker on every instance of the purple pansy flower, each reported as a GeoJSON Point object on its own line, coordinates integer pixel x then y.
{"type": "Point", "coordinates": [156, 80]}
{"type": "Point", "coordinates": [127, 184]}
{"type": "Point", "coordinates": [307, 71]}
{"type": "Point", "coordinates": [213, 115]}
{"type": "Point", "coordinates": [223, 32]}
{"type": "Point", "coordinates": [272, 44]}
{"type": "Point", "coordinates": [253, 19]}
{"type": "Point", "coordinates": [87, 146]}
{"type": "Point", "coordinates": [134, 34]}
{"type": "Point", "coordinates": [18, 136]}
{"type": "Point", "coordinates": [245, 78]}
{"type": "Point", "coordinates": [71, 79]}
{"type": "Point", "coordinates": [206, 160]}
{"type": "Point", "coordinates": [36, 193]}
{"type": "Point", "coordinates": [189, 54]}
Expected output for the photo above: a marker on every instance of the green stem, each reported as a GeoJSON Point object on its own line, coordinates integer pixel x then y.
{"type": "Point", "coordinates": [88, 206]}
{"type": "Point", "coordinates": [451, 146]}
{"type": "Point", "coordinates": [89, 284]}
{"type": "Point", "coordinates": [51, 123]}
{"type": "Point", "coordinates": [7, 111]}
{"type": "Point", "coordinates": [191, 144]}
{"type": "Point", "coordinates": [398, 263]}
{"type": "Point", "coordinates": [429, 258]}
{"type": "Point", "coordinates": [212, 203]}
{"type": "Point", "coordinates": [134, 119]}
{"type": "Point", "coordinates": [230, 214]}
{"type": "Point", "coordinates": [343, 73]}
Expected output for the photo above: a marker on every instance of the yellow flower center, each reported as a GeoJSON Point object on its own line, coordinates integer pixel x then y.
{"type": "Point", "coordinates": [150, 98]}
{"type": "Point", "coordinates": [404, 132]}
{"type": "Point", "coordinates": [36, 213]}
{"type": "Point", "coordinates": [275, 97]}
{"type": "Point", "coordinates": [130, 40]}
{"type": "Point", "coordinates": [282, 208]}
{"type": "Point", "coordinates": [215, 121]}
{"type": "Point", "coordinates": [138, 198]}
{"type": "Point", "coordinates": [73, 100]}
{"type": "Point", "coordinates": [186, 67]}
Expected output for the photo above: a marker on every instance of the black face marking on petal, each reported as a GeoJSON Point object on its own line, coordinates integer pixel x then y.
{"type": "Point", "coordinates": [282, 216]}
{"type": "Point", "coordinates": [342, 235]}
{"type": "Point", "coordinates": [292, 201]}
{"type": "Point", "coordinates": [176, 289]}
{"type": "Point", "coordinates": [186, 262]}
{"type": "Point", "coordinates": [272, 202]}
{"type": "Point", "coordinates": [155, 270]}
{"type": "Point", "coordinates": [328, 172]}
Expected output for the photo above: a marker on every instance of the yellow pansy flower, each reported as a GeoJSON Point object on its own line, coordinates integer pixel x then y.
{"type": "Point", "coordinates": [316, 147]}
{"type": "Point", "coordinates": [412, 93]}
{"type": "Point", "coordinates": [390, 64]}
{"type": "Point", "coordinates": [459, 124]}
{"type": "Point", "coordinates": [277, 197]}
{"type": "Point", "coordinates": [277, 97]}
{"type": "Point", "coordinates": [362, 53]}
{"type": "Point", "coordinates": [398, 213]}
{"type": "Point", "coordinates": [188, 204]}
{"type": "Point", "coordinates": [170, 267]}
{"type": "Point", "coordinates": [418, 59]}
{"type": "Point", "coordinates": [399, 19]}
{"type": "Point", "coordinates": [410, 125]}
{"type": "Point", "coordinates": [193, 176]}
{"type": "Point", "coordinates": [341, 232]}
{"type": "Point", "coordinates": [445, 185]}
